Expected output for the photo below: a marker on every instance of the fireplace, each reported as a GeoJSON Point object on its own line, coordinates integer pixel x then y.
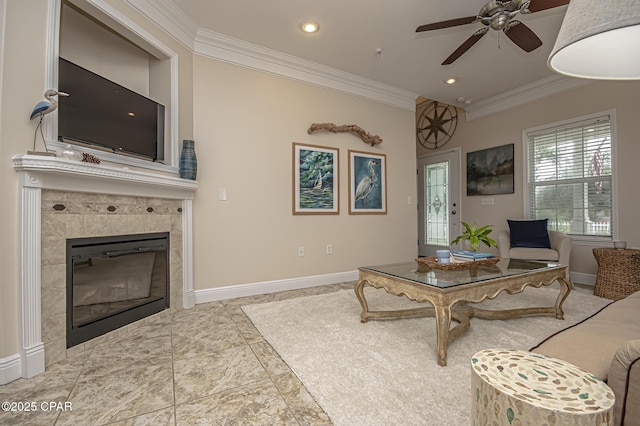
{"type": "Point", "coordinates": [61, 199]}
{"type": "Point", "coordinates": [113, 281]}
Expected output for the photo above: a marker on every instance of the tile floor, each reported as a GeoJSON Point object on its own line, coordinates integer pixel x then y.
{"type": "Point", "coordinates": [205, 366]}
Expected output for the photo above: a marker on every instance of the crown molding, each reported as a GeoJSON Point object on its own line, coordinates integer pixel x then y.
{"type": "Point", "coordinates": [169, 17]}
{"type": "Point", "coordinates": [231, 50]}
{"type": "Point", "coordinates": [522, 95]}
{"type": "Point", "coordinates": [217, 46]}
{"type": "Point", "coordinates": [249, 55]}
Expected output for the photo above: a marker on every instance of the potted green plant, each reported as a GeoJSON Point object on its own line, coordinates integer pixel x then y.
{"type": "Point", "coordinates": [475, 235]}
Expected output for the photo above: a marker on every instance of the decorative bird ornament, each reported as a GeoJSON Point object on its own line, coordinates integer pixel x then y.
{"type": "Point", "coordinates": [45, 107]}
{"type": "Point", "coordinates": [41, 109]}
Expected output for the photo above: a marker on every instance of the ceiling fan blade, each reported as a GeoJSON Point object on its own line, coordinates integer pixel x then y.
{"type": "Point", "coordinates": [465, 46]}
{"type": "Point", "coordinates": [446, 24]}
{"type": "Point", "coordinates": [522, 35]}
{"type": "Point", "coordinates": [538, 5]}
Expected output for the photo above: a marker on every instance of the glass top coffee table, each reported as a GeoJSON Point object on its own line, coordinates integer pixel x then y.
{"type": "Point", "coordinates": [450, 292]}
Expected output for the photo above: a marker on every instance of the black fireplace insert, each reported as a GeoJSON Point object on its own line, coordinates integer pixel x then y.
{"type": "Point", "coordinates": [113, 281]}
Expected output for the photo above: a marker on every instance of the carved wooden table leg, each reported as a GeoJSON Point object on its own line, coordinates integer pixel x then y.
{"type": "Point", "coordinates": [565, 288]}
{"type": "Point", "coordinates": [443, 322]}
{"type": "Point", "coordinates": [359, 289]}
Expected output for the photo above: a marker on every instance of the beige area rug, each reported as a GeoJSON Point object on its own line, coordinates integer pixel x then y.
{"type": "Point", "coordinates": [385, 372]}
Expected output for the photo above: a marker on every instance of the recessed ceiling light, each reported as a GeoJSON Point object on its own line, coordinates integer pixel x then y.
{"type": "Point", "coordinates": [309, 27]}
{"type": "Point", "coordinates": [451, 80]}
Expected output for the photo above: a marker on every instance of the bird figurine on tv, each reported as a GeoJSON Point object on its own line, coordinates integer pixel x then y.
{"type": "Point", "coordinates": [43, 108]}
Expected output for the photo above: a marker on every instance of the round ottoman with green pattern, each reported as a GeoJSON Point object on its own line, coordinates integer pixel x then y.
{"type": "Point", "coordinates": [513, 387]}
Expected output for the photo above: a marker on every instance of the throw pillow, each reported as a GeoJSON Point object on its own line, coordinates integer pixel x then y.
{"type": "Point", "coordinates": [529, 233]}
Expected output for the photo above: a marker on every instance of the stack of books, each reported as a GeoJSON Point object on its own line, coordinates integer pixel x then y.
{"type": "Point", "coordinates": [470, 256]}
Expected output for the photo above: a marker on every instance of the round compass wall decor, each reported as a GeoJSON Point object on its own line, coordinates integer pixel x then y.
{"type": "Point", "coordinates": [436, 125]}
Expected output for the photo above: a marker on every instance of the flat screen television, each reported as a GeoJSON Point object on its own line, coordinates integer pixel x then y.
{"type": "Point", "coordinates": [103, 114]}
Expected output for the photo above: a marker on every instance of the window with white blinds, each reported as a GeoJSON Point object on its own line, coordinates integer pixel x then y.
{"type": "Point", "coordinates": [570, 177]}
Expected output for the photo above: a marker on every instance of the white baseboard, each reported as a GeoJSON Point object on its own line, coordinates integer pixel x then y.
{"type": "Point", "coordinates": [29, 363]}
{"type": "Point", "coordinates": [10, 369]}
{"type": "Point", "coordinates": [254, 289]}
{"type": "Point", "coordinates": [580, 278]}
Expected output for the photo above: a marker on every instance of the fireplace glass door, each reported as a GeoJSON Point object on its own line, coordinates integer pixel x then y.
{"type": "Point", "coordinates": [113, 281]}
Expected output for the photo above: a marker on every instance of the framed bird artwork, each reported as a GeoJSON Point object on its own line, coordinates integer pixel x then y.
{"type": "Point", "coordinates": [367, 183]}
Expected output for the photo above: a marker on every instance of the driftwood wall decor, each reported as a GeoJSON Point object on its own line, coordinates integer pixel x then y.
{"type": "Point", "coordinates": [366, 137]}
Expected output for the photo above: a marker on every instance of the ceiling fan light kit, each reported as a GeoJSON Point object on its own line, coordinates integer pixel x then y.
{"type": "Point", "coordinates": [599, 40]}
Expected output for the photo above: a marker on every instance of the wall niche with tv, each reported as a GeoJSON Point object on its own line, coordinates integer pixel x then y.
{"type": "Point", "coordinates": [119, 108]}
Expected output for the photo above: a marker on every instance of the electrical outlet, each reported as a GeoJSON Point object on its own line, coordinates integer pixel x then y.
{"type": "Point", "coordinates": [301, 251]}
{"type": "Point", "coordinates": [329, 249]}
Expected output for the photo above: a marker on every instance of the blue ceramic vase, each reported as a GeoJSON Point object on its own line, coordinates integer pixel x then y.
{"type": "Point", "coordinates": [188, 160]}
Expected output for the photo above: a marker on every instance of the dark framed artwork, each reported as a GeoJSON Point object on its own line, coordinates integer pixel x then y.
{"type": "Point", "coordinates": [490, 171]}
{"type": "Point", "coordinates": [367, 183]}
{"type": "Point", "coordinates": [315, 180]}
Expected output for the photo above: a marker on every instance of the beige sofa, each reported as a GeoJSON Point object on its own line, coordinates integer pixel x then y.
{"type": "Point", "coordinates": [607, 345]}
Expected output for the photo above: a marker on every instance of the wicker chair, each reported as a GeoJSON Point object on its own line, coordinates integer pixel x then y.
{"type": "Point", "coordinates": [560, 250]}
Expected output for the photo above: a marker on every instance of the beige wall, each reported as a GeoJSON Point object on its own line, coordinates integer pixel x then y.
{"type": "Point", "coordinates": [23, 85]}
{"type": "Point", "coordinates": [244, 126]}
{"type": "Point", "coordinates": [506, 127]}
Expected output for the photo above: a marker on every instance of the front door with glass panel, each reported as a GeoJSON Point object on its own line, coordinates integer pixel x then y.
{"type": "Point", "coordinates": [439, 201]}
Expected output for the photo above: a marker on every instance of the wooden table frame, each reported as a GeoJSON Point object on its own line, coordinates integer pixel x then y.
{"type": "Point", "coordinates": [445, 299]}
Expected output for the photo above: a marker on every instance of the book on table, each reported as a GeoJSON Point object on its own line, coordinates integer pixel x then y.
{"type": "Point", "coordinates": [471, 255]}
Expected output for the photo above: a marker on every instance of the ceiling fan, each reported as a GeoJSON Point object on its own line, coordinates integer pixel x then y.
{"type": "Point", "coordinates": [498, 15]}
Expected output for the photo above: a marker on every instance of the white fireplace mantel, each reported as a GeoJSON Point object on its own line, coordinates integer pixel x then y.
{"type": "Point", "coordinates": [72, 175]}
{"type": "Point", "coordinates": [42, 172]}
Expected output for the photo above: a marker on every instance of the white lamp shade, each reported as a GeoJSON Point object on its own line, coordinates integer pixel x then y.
{"type": "Point", "coordinates": [599, 39]}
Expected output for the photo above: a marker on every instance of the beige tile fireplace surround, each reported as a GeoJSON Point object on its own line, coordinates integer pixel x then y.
{"type": "Point", "coordinates": [87, 215]}
{"type": "Point", "coordinates": [61, 199]}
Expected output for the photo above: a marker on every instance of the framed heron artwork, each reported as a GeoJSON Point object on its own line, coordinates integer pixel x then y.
{"type": "Point", "coordinates": [367, 183]}
{"type": "Point", "coordinates": [315, 180]}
